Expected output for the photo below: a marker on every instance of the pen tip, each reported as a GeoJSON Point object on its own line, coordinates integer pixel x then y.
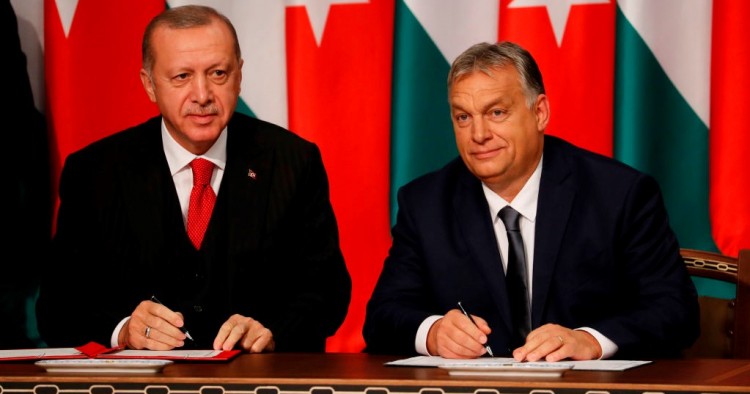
{"type": "Point", "coordinates": [187, 334]}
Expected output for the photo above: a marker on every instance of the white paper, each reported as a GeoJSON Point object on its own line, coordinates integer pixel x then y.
{"type": "Point", "coordinates": [39, 352]}
{"type": "Point", "coordinates": [167, 353]}
{"type": "Point", "coordinates": [589, 365]}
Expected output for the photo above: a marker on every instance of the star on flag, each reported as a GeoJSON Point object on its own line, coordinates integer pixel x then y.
{"type": "Point", "coordinates": [558, 11]}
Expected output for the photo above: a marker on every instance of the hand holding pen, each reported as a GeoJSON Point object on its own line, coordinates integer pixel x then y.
{"type": "Point", "coordinates": [489, 350]}
{"type": "Point", "coordinates": [183, 329]}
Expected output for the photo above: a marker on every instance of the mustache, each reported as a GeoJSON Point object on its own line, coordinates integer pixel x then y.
{"type": "Point", "coordinates": [202, 111]}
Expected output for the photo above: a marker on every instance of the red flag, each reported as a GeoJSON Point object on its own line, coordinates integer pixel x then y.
{"type": "Point", "coordinates": [92, 64]}
{"type": "Point", "coordinates": [728, 139]}
{"type": "Point", "coordinates": [339, 97]}
{"type": "Point", "coordinates": [577, 61]}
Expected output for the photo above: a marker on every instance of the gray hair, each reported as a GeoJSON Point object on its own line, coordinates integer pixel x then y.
{"type": "Point", "coordinates": [184, 17]}
{"type": "Point", "coordinates": [485, 56]}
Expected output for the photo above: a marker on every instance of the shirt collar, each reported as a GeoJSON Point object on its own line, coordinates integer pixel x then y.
{"type": "Point", "coordinates": [526, 200]}
{"type": "Point", "coordinates": [179, 158]}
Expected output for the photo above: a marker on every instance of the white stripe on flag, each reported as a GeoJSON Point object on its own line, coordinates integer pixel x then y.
{"type": "Point", "coordinates": [678, 32]}
{"type": "Point", "coordinates": [456, 25]}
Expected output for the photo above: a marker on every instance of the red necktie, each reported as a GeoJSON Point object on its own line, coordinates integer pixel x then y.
{"type": "Point", "coordinates": [202, 199]}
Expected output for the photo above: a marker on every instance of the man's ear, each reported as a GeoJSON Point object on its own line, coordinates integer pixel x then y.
{"type": "Point", "coordinates": [541, 108]}
{"type": "Point", "coordinates": [148, 85]}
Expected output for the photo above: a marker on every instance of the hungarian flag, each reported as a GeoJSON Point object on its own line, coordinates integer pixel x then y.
{"type": "Point", "coordinates": [680, 70]}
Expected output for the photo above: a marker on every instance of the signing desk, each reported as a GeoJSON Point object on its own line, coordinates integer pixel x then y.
{"type": "Point", "coordinates": [354, 373]}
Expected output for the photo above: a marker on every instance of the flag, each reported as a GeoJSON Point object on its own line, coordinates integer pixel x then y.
{"type": "Point", "coordinates": [663, 84]}
{"type": "Point", "coordinates": [339, 75]}
{"type": "Point", "coordinates": [92, 63]}
{"type": "Point", "coordinates": [729, 180]}
{"type": "Point", "coordinates": [681, 65]}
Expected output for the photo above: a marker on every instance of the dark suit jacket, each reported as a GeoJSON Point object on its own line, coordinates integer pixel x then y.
{"type": "Point", "coordinates": [271, 250]}
{"type": "Point", "coordinates": [605, 257]}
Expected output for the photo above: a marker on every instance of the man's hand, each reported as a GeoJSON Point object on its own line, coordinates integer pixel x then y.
{"type": "Point", "coordinates": [455, 336]}
{"type": "Point", "coordinates": [152, 326]}
{"type": "Point", "coordinates": [246, 332]}
{"type": "Point", "coordinates": [554, 343]}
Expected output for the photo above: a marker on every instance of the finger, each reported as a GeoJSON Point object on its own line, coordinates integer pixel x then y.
{"type": "Point", "coordinates": [160, 323]}
{"type": "Point", "coordinates": [560, 346]}
{"type": "Point", "coordinates": [551, 347]}
{"type": "Point", "coordinates": [533, 340]}
{"type": "Point", "coordinates": [453, 349]}
{"type": "Point", "coordinates": [482, 325]}
{"type": "Point", "coordinates": [231, 331]}
{"type": "Point", "coordinates": [578, 345]}
{"type": "Point", "coordinates": [453, 340]}
{"type": "Point", "coordinates": [257, 340]}
{"type": "Point", "coordinates": [463, 324]}
{"type": "Point", "coordinates": [237, 333]}
{"type": "Point", "coordinates": [172, 318]}
{"type": "Point", "coordinates": [222, 335]}
{"type": "Point", "coordinates": [163, 340]}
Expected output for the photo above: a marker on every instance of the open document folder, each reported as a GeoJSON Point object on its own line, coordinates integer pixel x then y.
{"type": "Point", "coordinates": [97, 351]}
{"type": "Point", "coordinates": [495, 362]}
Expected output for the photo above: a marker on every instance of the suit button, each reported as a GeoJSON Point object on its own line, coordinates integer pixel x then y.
{"type": "Point", "coordinates": [197, 308]}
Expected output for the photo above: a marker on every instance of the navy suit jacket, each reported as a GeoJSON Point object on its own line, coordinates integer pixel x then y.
{"type": "Point", "coordinates": [271, 250]}
{"type": "Point", "coordinates": [605, 257]}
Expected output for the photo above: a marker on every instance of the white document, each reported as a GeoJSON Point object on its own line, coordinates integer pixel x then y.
{"type": "Point", "coordinates": [589, 365]}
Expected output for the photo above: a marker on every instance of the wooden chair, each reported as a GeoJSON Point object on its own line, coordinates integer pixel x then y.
{"type": "Point", "coordinates": [725, 323]}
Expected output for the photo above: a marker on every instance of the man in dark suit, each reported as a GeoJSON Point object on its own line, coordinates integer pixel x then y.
{"type": "Point", "coordinates": [267, 275]}
{"type": "Point", "coordinates": [605, 276]}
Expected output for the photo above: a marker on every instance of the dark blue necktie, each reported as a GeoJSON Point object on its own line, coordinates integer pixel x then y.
{"type": "Point", "coordinates": [516, 277]}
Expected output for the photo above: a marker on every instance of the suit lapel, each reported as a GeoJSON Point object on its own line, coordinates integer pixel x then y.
{"type": "Point", "coordinates": [149, 172]}
{"type": "Point", "coordinates": [247, 182]}
{"type": "Point", "coordinates": [556, 197]}
{"type": "Point", "coordinates": [473, 218]}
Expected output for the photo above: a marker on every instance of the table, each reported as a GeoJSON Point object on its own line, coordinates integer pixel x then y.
{"type": "Point", "coordinates": [358, 373]}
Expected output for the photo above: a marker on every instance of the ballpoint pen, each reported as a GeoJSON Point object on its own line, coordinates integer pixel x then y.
{"type": "Point", "coordinates": [183, 329]}
{"type": "Point", "coordinates": [489, 350]}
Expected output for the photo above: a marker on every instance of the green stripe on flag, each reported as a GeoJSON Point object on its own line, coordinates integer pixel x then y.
{"type": "Point", "coordinates": [657, 132]}
{"type": "Point", "coordinates": [242, 107]}
{"type": "Point", "coordinates": [421, 131]}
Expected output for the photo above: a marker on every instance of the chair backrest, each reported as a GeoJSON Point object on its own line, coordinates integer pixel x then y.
{"type": "Point", "coordinates": [725, 323]}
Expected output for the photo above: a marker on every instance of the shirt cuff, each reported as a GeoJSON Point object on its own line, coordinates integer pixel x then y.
{"type": "Point", "coordinates": [420, 342]}
{"type": "Point", "coordinates": [113, 341]}
{"type": "Point", "coordinates": [609, 348]}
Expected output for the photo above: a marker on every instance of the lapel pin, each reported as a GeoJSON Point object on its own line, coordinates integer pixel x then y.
{"type": "Point", "coordinates": [251, 173]}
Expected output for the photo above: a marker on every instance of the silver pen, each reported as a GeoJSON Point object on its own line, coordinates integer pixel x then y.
{"type": "Point", "coordinates": [489, 351]}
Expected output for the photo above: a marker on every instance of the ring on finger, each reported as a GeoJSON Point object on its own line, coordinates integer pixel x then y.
{"type": "Point", "coordinates": [148, 332]}
{"type": "Point", "coordinates": [562, 341]}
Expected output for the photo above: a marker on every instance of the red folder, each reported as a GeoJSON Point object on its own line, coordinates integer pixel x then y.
{"type": "Point", "coordinates": [96, 350]}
